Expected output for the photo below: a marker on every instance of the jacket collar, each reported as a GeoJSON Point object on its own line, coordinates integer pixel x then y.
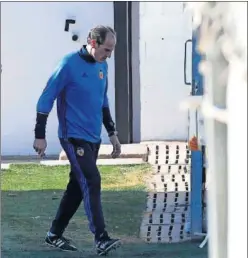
{"type": "Point", "coordinates": [84, 54]}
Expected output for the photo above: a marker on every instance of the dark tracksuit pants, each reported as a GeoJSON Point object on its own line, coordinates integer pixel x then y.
{"type": "Point", "coordinates": [84, 184]}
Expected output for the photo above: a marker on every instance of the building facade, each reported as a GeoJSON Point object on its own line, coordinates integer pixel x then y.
{"type": "Point", "coordinates": [149, 74]}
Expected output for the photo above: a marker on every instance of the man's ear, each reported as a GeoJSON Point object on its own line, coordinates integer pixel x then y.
{"type": "Point", "coordinates": [93, 43]}
{"type": "Point", "coordinates": [88, 41]}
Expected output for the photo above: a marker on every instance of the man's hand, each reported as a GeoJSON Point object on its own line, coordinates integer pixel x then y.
{"type": "Point", "coordinates": [40, 146]}
{"type": "Point", "coordinates": [116, 146]}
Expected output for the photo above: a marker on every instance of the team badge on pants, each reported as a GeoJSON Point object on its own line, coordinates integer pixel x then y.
{"type": "Point", "coordinates": [80, 151]}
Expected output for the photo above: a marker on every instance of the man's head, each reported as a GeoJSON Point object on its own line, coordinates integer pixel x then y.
{"type": "Point", "coordinates": [101, 42]}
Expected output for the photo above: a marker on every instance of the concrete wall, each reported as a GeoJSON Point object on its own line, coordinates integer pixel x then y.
{"type": "Point", "coordinates": [32, 41]}
{"type": "Point", "coordinates": [160, 30]}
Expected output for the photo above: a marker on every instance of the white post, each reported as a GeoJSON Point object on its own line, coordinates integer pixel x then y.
{"type": "Point", "coordinates": [224, 42]}
{"type": "Point", "coordinates": [237, 136]}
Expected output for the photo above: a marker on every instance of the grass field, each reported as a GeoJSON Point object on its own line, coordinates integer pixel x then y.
{"type": "Point", "coordinates": [31, 194]}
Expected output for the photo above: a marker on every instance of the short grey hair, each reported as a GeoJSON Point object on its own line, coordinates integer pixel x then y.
{"type": "Point", "coordinates": [100, 32]}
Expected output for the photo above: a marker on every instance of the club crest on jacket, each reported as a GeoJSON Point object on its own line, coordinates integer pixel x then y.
{"type": "Point", "coordinates": [101, 74]}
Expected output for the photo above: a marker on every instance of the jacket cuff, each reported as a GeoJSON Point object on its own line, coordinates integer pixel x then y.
{"type": "Point", "coordinates": [40, 127]}
{"type": "Point", "coordinates": [108, 121]}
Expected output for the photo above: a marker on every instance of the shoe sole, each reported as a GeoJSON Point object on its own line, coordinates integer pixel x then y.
{"type": "Point", "coordinates": [112, 247]}
{"type": "Point", "coordinates": [56, 247]}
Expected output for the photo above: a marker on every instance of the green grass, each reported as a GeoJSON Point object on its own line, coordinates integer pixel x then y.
{"type": "Point", "coordinates": [35, 177]}
{"type": "Point", "coordinates": [30, 197]}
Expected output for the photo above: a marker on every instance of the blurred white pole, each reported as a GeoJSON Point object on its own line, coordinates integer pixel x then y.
{"type": "Point", "coordinates": [237, 136]}
{"type": "Point", "coordinates": [237, 163]}
{"type": "Point", "coordinates": [224, 42]}
{"type": "Point", "coordinates": [216, 141]}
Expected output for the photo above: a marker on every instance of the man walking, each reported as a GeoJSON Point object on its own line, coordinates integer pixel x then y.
{"type": "Point", "coordinates": [80, 84]}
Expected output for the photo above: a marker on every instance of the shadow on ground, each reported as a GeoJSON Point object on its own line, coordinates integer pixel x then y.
{"type": "Point", "coordinates": [26, 216]}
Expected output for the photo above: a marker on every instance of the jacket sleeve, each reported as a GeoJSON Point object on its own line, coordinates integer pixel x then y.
{"type": "Point", "coordinates": [54, 86]}
{"type": "Point", "coordinates": [56, 83]}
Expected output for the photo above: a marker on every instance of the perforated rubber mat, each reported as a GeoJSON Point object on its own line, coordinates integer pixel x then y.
{"type": "Point", "coordinates": [168, 201]}
{"type": "Point", "coordinates": [169, 153]}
